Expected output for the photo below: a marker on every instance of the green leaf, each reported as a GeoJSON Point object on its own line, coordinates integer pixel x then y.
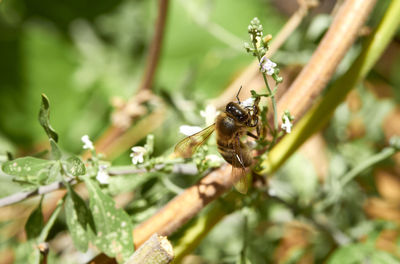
{"type": "Point", "coordinates": [55, 151]}
{"type": "Point", "coordinates": [361, 253]}
{"type": "Point", "coordinates": [35, 222]}
{"type": "Point", "coordinates": [27, 253]}
{"type": "Point", "coordinates": [113, 226]}
{"type": "Point", "coordinates": [54, 173]}
{"type": "Point", "coordinates": [74, 166]}
{"type": "Point", "coordinates": [354, 253]}
{"type": "Point", "coordinates": [28, 169]}
{"type": "Point", "coordinates": [44, 116]}
{"type": "Point", "coordinates": [149, 146]}
{"type": "Point", "coordinates": [382, 257]}
{"type": "Point", "coordinates": [79, 219]}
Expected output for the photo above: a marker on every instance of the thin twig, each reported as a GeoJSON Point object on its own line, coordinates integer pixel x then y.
{"type": "Point", "coordinates": [155, 48]}
{"type": "Point", "coordinates": [18, 197]}
{"type": "Point", "coordinates": [187, 169]}
{"type": "Point", "coordinates": [214, 29]}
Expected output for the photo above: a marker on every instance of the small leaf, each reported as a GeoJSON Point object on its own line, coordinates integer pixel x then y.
{"type": "Point", "coordinates": [113, 226]}
{"type": "Point", "coordinates": [54, 173]}
{"type": "Point", "coordinates": [75, 166]}
{"type": "Point", "coordinates": [382, 257]}
{"type": "Point", "coordinates": [28, 169]}
{"type": "Point", "coordinates": [35, 222]}
{"type": "Point", "coordinates": [44, 116]}
{"type": "Point", "coordinates": [352, 253]}
{"type": "Point", "coordinates": [79, 219]}
{"type": "Point", "coordinates": [27, 253]}
{"type": "Point", "coordinates": [149, 146]}
{"type": "Point", "coordinates": [55, 151]}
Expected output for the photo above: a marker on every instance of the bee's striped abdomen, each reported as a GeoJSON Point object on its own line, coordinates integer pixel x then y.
{"type": "Point", "coordinates": [227, 151]}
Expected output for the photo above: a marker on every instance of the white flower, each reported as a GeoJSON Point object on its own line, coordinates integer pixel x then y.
{"type": "Point", "coordinates": [189, 130]}
{"type": "Point", "coordinates": [287, 125]}
{"type": "Point", "coordinates": [88, 144]}
{"type": "Point", "coordinates": [248, 102]}
{"type": "Point", "coordinates": [210, 113]}
{"type": "Point", "coordinates": [267, 66]}
{"type": "Point", "coordinates": [102, 175]}
{"type": "Point", "coordinates": [137, 154]}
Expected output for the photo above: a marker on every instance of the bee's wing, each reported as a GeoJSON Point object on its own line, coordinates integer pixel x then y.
{"type": "Point", "coordinates": [239, 171]}
{"type": "Point", "coordinates": [240, 179]}
{"type": "Point", "coordinates": [187, 146]}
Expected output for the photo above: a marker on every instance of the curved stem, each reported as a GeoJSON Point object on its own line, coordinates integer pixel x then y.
{"type": "Point", "coordinates": [384, 154]}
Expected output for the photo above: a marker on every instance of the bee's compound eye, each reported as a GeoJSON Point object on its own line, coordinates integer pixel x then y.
{"type": "Point", "coordinates": [229, 108]}
{"type": "Point", "coordinates": [237, 112]}
{"type": "Point", "coordinates": [242, 117]}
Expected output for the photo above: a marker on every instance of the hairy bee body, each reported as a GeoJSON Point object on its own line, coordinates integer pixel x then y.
{"type": "Point", "coordinates": [228, 132]}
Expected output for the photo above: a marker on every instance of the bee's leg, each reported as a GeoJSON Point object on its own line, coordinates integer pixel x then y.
{"type": "Point", "coordinates": [254, 123]}
{"type": "Point", "coordinates": [252, 135]}
{"type": "Point", "coordinates": [258, 131]}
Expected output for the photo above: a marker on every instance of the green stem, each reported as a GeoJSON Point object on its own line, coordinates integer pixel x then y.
{"type": "Point", "coordinates": [384, 154]}
{"type": "Point", "coordinates": [51, 221]}
{"type": "Point", "coordinates": [345, 179]}
{"type": "Point", "coordinates": [319, 114]}
{"type": "Point", "coordinates": [203, 225]}
{"type": "Point", "coordinates": [272, 95]}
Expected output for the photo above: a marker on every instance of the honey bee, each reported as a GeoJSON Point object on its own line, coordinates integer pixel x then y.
{"type": "Point", "coordinates": [235, 122]}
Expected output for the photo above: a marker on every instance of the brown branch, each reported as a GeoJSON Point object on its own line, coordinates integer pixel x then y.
{"type": "Point", "coordinates": [155, 48]}
{"type": "Point", "coordinates": [314, 77]}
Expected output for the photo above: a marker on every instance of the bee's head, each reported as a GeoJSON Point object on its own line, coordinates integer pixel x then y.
{"type": "Point", "coordinates": [237, 112]}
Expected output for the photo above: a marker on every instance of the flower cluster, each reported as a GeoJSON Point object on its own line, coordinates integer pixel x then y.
{"type": "Point", "coordinates": [267, 66]}
{"type": "Point", "coordinates": [259, 48]}
{"type": "Point", "coordinates": [255, 30]}
{"type": "Point", "coordinates": [259, 45]}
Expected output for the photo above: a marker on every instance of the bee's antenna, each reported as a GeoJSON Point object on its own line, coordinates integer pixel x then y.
{"type": "Point", "coordinates": [237, 96]}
